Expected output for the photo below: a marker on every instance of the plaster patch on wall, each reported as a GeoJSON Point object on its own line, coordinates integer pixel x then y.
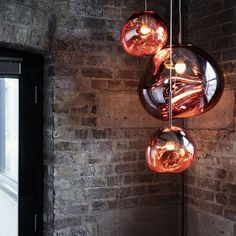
{"type": "Point", "coordinates": [125, 110]}
{"type": "Point", "coordinates": [220, 117]}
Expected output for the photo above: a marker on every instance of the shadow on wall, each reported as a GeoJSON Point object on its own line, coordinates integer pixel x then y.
{"type": "Point", "coordinates": [140, 222]}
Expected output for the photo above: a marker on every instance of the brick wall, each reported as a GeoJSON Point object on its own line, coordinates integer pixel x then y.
{"type": "Point", "coordinates": [211, 182]}
{"type": "Point", "coordinates": [101, 183]}
{"type": "Point", "coordinates": [96, 179]}
{"type": "Point", "coordinates": [25, 23]}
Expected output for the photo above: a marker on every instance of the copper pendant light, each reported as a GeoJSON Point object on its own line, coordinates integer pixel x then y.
{"type": "Point", "coordinates": [144, 33]}
{"type": "Point", "coordinates": [198, 83]}
{"type": "Point", "coordinates": [170, 150]}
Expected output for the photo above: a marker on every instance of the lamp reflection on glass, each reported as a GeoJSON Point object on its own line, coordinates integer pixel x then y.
{"type": "Point", "coordinates": [143, 33]}
{"type": "Point", "coordinates": [170, 150]}
{"type": "Point", "coordinates": [197, 83]}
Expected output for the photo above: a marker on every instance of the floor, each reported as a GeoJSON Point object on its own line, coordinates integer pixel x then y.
{"type": "Point", "coordinates": [8, 215]}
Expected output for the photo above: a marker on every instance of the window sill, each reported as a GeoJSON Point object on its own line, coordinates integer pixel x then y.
{"type": "Point", "coordinates": [9, 186]}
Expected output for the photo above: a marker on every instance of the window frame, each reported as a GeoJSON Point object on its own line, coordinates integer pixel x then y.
{"type": "Point", "coordinates": [30, 199]}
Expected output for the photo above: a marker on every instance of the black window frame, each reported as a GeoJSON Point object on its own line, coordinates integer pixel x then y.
{"type": "Point", "coordinates": [30, 199]}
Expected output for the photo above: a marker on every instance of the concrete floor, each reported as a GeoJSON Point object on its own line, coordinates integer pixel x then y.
{"type": "Point", "coordinates": [8, 215]}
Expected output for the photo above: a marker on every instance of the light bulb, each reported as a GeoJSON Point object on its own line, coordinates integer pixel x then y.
{"type": "Point", "coordinates": [180, 67]}
{"type": "Point", "coordinates": [145, 30]}
{"type": "Point", "coordinates": [170, 145]}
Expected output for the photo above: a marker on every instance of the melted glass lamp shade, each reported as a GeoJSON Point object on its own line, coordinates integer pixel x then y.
{"type": "Point", "coordinates": [170, 150]}
{"type": "Point", "coordinates": [143, 33]}
{"type": "Point", "coordinates": [197, 83]}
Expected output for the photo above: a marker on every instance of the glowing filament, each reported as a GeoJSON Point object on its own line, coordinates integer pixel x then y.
{"type": "Point", "coordinates": [145, 30]}
{"type": "Point", "coordinates": [170, 145]}
{"type": "Point", "coordinates": [180, 67]}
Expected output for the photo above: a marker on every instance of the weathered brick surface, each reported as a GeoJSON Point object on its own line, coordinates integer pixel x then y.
{"type": "Point", "coordinates": [27, 23]}
{"type": "Point", "coordinates": [95, 127]}
{"type": "Point", "coordinates": [210, 184]}
{"type": "Point", "coordinates": [100, 128]}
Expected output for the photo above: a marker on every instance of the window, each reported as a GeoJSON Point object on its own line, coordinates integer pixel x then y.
{"type": "Point", "coordinates": [21, 159]}
{"type": "Point", "coordinates": [9, 126]}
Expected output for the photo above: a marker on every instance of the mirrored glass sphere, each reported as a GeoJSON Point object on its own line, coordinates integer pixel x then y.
{"type": "Point", "coordinates": [197, 83]}
{"type": "Point", "coordinates": [170, 150]}
{"type": "Point", "coordinates": [143, 33]}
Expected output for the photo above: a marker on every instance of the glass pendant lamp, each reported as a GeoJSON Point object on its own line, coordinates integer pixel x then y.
{"type": "Point", "coordinates": [170, 150]}
{"type": "Point", "coordinates": [144, 33]}
{"type": "Point", "coordinates": [197, 83]}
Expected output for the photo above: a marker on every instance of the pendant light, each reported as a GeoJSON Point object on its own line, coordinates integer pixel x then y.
{"type": "Point", "coordinates": [170, 149]}
{"type": "Point", "coordinates": [144, 33]}
{"type": "Point", "coordinates": [198, 81]}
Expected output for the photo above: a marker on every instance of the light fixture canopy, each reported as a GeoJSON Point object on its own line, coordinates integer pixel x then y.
{"type": "Point", "coordinates": [144, 33]}
{"type": "Point", "coordinates": [170, 150]}
{"type": "Point", "coordinates": [197, 83]}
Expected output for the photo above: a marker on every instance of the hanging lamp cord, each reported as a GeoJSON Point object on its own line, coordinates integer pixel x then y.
{"type": "Point", "coordinates": [171, 42]}
{"type": "Point", "coordinates": [180, 38]}
{"type": "Point", "coordinates": [145, 5]}
{"type": "Point", "coordinates": [180, 23]}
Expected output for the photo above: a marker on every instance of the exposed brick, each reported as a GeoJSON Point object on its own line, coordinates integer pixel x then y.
{"type": "Point", "coordinates": [148, 178]}
{"type": "Point", "coordinates": [94, 23]}
{"type": "Point", "coordinates": [130, 85]}
{"type": "Point", "coordinates": [102, 193]}
{"type": "Point", "coordinates": [114, 85]}
{"type": "Point", "coordinates": [96, 72]}
{"type": "Point", "coordinates": [220, 173]}
{"type": "Point", "coordinates": [130, 179]}
{"type": "Point", "coordinates": [77, 209]}
{"type": "Point", "coordinates": [230, 214]}
{"type": "Point", "coordinates": [81, 133]}
{"type": "Point", "coordinates": [89, 121]}
{"type": "Point", "coordinates": [87, 97]}
{"type": "Point", "coordinates": [66, 146]}
{"type": "Point", "coordinates": [99, 84]}
{"type": "Point", "coordinates": [204, 195]}
{"type": "Point", "coordinates": [210, 207]}
{"type": "Point", "coordinates": [131, 202]}
{"type": "Point", "coordinates": [228, 3]}
{"type": "Point", "coordinates": [126, 168]}
{"type": "Point", "coordinates": [210, 184]}
{"type": "Point", "coordinates": [127, 74]}
{"type": "Point", "coordinates": [161, 188]}
{"type": "Point", "coordinates": [221, 198]}
{"type": "Point", "coordinates": [114, 180]}
{"type": "Point", "coordinates": [67, 222]}
{"type": "Point", "coordinates": [99, 133]}
{"type": "Point", "coordinates": [232, 200]}
{"type": "Point", "coordinates": [113, 204]}
{"type": "Point", "coordinates": [140, 190]}
{"type": "Point", "coordinates": [99, 205]}
{"type": "Point", "coordinates": [82, 109]}
{"type": "Point", "coordinates": [231, 188]}
{"type": "Point", "coordinates": [125, 192]}
{"type": "Point", "coordinates": [129, 156]}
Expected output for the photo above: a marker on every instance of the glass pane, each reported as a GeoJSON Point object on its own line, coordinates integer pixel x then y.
{"type": "Point", "coordinates": [9, 155]}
